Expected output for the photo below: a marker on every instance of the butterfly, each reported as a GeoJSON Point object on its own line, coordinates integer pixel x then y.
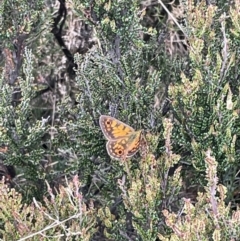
{"type": "Point", "coordinates": [123, 140]}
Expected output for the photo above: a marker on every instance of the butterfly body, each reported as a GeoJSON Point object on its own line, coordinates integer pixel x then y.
{"type": "Point", "coordinates": [123, 140]}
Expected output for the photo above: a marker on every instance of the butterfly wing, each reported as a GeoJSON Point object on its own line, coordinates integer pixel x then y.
{"type": "Point", "coordinates": [116, 148]}
{"type": "Point", "coordinates": [124, 147]}
{"type": "Point", "coordinates": [114, 129]}
{"type": "Point", "coordinates": [134, 143]}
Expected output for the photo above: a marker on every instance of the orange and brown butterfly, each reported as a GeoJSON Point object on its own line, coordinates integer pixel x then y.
{"type": "Point", "coordinates": [123, 140]}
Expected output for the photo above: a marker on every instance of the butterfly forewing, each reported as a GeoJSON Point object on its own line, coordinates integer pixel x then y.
{"type": "Point", "coordinates": [113, 129]}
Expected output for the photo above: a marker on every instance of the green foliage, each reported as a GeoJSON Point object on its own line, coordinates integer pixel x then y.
{"type": "Point", "coordinates": [19, 132]}
{"type": "Point", "coordinates": [144, 194]}
{"type": "Point", "coordinates": [206, 220]}
{"type": "Point", "coordinates": [18, 18]}
{"type": "Point", "coordinates": [129, 72]}
{"type": "Point", "coordinates": [61, 215]}
{"type": "Point", "coordinates": [118, 21]}
{"type": "Point", "coordinates": [206, 100]}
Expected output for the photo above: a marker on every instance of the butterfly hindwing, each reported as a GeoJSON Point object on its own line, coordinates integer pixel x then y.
{"type": "Point", "coordinates": [124, 147]}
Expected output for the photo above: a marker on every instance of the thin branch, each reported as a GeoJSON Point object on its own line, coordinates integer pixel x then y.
{"type": "Point", "coordinates": [54, 224]}
{"type": "Point", "coordinates": [173, 18]}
